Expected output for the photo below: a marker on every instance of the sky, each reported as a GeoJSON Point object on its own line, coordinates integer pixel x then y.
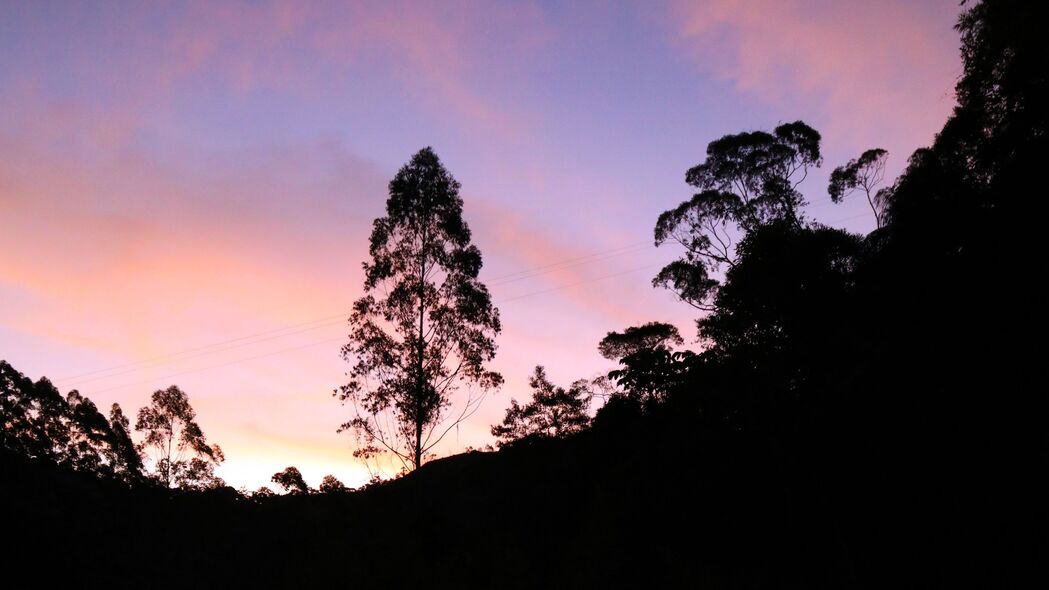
{"type": "Point", "coordinates": [187, 188]}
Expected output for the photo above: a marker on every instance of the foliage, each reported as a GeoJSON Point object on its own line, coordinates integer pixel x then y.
{"type": "Point", "coordinates": [291, 481]}
{"type": "Point", "coordinates": [554, 412]}
{"type": "Point", "coordinates": [649, 375]}
{"type": "Point", "coordinates": [864, 173]}
{"type": "Point", "coordinates": [262, 493]}
{"type": "Point", "coordinates": [179, 450]}
{"type": "Point", "coordinates": [38, 423]}
{"type": "Point", "coordinates": [789, 280]}
{"type": "Point", "coordinates": [331, 485]}
{"type": "Point", "coordinates": [425, 326]}
{"type": "Point", "coordinates": [36, 417]}
{"type": "Point", "coordinates": [89, 435]}
{"type": "Point", "coordinates": [124, 454]}
{"type": "Point", "coordinates": [748, 180]}
{"type": "Point", "coordinates": [618, 345]}
{"type": "Point", "coordinates": [650, 369]}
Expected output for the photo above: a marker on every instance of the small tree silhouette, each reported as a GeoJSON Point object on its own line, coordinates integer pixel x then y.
{"type": "Point", "coordinates": [554, 412]}
{"type": "Point", "coordinates": [331, 484]}
{"type": "Point", "coordinates": [291, 481]}
{"type": "Point", "coordinates": [180, 451]}
{"type": "Point", "coordinates": [864, 173]}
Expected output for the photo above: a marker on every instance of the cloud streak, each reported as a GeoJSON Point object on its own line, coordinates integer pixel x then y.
{"type": "Point", "coordinates": [876, 71]}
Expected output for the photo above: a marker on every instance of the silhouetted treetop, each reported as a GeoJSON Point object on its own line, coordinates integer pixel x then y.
{"type": "Point", "coordinates": [180, 452]}
{"type": "Point", "coordinates": [553, 412]}
{"type": "Point", "coordinates": [425, 325]}
{"type": "Point", "coordinates": [617, 345]}
{"type": "Point", "coordinates": [331, 484]}
{"type": "Point", "coordinates": [125, 456]}
{"type": "Point", "coordinates": [38, 423]}
{"type": "Point", "coordinates": [755, 173]}
{"type": "Point", "coordinates": [864, 173]}
{"type": "Point", "coordinates": [89, 434]}
{"type": "Point", "coordinates": [748, 180]}
{"type": "Point", "coordinates": [291, 481]}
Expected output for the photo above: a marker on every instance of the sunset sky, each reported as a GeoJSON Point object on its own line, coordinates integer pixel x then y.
{"type": "Point", "coordinates": [186, 189]}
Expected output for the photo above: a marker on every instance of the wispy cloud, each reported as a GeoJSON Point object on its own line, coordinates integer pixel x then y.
{"type": "Point", "coordinates": [877, 71]}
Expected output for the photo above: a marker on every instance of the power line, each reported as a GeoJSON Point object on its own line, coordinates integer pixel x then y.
{"type": "Point", "coordinates": [579, 283]}
{"type": "Point", "coordinates": [243, 360]}
{"type": "Point", "coordinates": [202, 348]}
{"type": "Point", "coordinates": [308, 326]}
{"type": "Point", "coordinates": [203, 351]}
{"type": "Point", "coordinates": [328, 340]}
{"type": "Point", "coordinates": [249, 339]}
{"type": "Point", "coordinates": [627, 249]}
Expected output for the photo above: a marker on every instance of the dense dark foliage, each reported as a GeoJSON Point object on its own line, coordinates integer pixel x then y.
{"type": "Point", "coordinates": [863, 413]}
{"type": "Point", "coordinates": [67, 432]}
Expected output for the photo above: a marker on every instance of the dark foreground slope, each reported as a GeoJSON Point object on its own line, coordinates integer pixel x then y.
{"type": "Point", "coordinates": [559, 513]}
{"type": "Point", "coordinates": [662, 507]}
{"type": "Point", "coordinates": [573, 512]}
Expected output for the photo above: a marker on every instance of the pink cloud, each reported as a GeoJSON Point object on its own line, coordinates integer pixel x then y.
{"type": "Point", "coordinates": [879, 71]}
{"type": "Point", "coordinates": [304, 49]}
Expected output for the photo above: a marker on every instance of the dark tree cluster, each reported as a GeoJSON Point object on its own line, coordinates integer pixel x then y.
{"type": "Point", "coordinates": [70, 432]}
{"type": "Point", "coordinates": [39, 424]}
{"type": "Point", "coordinates": [293, 483]}
{"type": "Point", "coordinates": [896, 353]}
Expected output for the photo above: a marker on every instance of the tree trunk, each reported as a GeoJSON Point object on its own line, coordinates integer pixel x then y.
{"type": "Point", "coordinates": [421, 379]}
{"type": "Point", "coordinates": [418, 442]}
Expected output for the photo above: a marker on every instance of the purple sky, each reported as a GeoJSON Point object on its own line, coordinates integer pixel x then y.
{"type": "Point", "coordinates": [181, 175]}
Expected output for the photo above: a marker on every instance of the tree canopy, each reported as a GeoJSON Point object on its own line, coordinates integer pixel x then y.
{"type": "Point", "coordinates": [425, 326]}
{"type": "Point", "coordinates": [39, 423]}
{"type": "Point", "coordinates": [179, 450]}
{"type": "Point", "coordinates": [747, 180]}
{"type": "Point", "coordinates": [864, 173]}
{"type": "Point", "coordinates": [291, 481]}
{"type": "Point", "coordinates": [618, 345]}
{"type": "Point", "coordinates": [553, 412]}
{"type": "Point", "coordinates": [331, 485]}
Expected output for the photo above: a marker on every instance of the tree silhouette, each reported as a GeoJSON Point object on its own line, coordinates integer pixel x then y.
{"type": "Point", "coordinates": [331, 484]}
{"type": "Point", "coordinates": [35, 416]}
{"type": "Point", "coordinates": [124, 455]}
{"type": "Point", "coordinates": [179, 449]}
{"type": "Point", "coordinates": [748, 180]}
{"type": "Point", "coordinates": [649, 366]}
{"type": "Point", "coordinates": [291, 481]}
{"type": "Point", "coordinates": [89, 436]}
{"type": "Point", "coordinates": [38, 423]}
{"type": "Point", "coordinates": [864, 173]}
{"type": "Point", "coordinates": [554, 412]}
{"type": "Point", "coordinates": [618, 345]}
{"type": "Point", "coordinates": [425, 325]}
